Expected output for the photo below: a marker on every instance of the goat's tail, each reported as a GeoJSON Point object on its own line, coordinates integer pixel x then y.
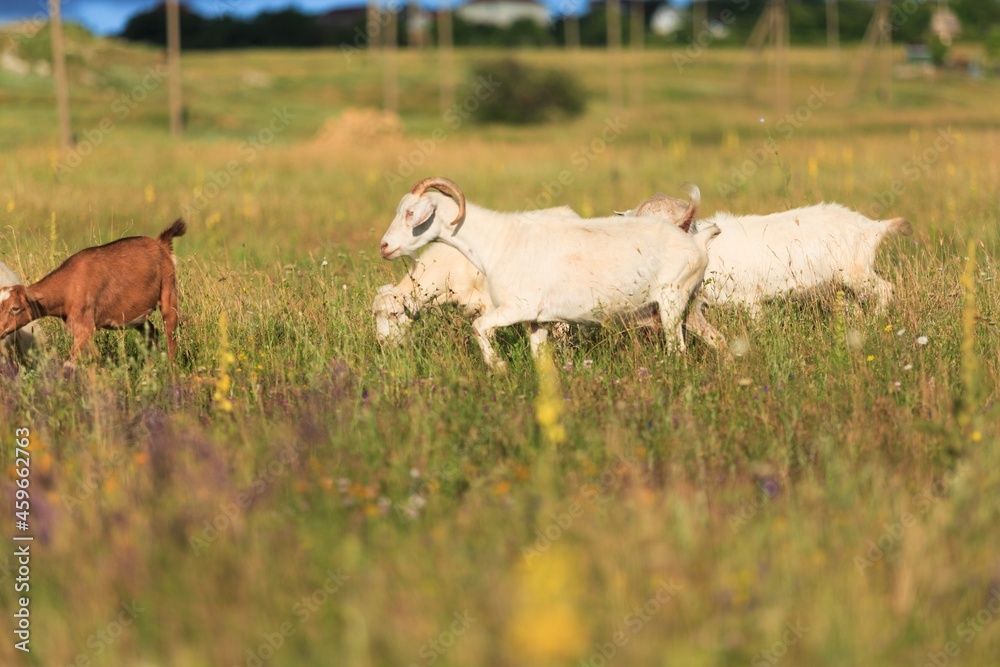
{"type": "Point", "coordinates": [179, 228]}
{"type": "Point", "coordinates": [899, 226]}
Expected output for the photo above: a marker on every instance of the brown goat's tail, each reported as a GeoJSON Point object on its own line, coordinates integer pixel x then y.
{"type": "Point", "coordinates": [179, 228]}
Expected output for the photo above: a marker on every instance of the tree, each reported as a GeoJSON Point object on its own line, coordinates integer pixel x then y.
{"type": "Point", "coordinates": [978, 17]}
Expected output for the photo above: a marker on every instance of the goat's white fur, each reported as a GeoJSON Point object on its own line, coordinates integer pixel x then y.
{"type": "Point", "coordinates": [761, 257]}
{"type": "Point", "coordinates": [440, 275]}
{"type": "Point", "coordinates": [26, 338]}
{"type": "Point", "coordinates": [547, 268]}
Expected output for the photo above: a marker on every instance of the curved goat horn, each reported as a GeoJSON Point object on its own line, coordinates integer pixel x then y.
{"type": "Point", "coordinates": [445, 185]}
{"type": "Point", "coordinates": [695, 193]}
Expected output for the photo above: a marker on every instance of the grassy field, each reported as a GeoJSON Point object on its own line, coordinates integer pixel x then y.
{"type": "Point", "coordinates": [289, 493]}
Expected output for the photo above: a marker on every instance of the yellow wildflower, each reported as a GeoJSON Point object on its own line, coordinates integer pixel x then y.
{"type": "Point", "coordinates": [223, 381]}
{"type": "Point", "coordinates": [548, 405]}
{"type": "Point", "coordinates": [546, 625]}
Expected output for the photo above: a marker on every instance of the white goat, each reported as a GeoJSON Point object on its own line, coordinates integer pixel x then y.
{"type": "Point", "coordinates": [761, 257]}
{"type": "Point", "coordinates": [27, 338]}
{"type": "Point", "coordinates": [440, 275]}
{"type": "Point", "coordinates": [543, 269]}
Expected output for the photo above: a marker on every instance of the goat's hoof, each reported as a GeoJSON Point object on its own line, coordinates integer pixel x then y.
{"type": "Point", "coordinates": [499, 367]}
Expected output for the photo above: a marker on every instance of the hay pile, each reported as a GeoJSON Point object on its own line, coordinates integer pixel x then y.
{"type": "Point", "coordinates": [359, 127]}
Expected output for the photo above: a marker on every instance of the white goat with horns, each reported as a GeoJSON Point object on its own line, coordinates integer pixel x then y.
{"type": "Point", "coordinates": [542, 269]}
{"type": "Point", "coordinates": [440, 275]}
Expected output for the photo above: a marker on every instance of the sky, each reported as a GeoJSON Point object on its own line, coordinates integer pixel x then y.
{"type": "Point", "coordinates": [107, 17]}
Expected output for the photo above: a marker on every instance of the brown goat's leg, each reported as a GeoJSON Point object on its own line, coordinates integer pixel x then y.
{"type": "Point", "coordinates": [149, 332]}
{"type": "Point", "coordinates": [168, 307]}
{"type": "Point", "coordinates": [82, 329]}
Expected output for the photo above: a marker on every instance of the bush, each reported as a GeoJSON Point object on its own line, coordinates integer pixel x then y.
{"type": "Point", "coordinates": [37, 46]}
{"type": "Point", "coordinates": [525, 95]}
{"type": "Point", "coordinates": [939, 52]}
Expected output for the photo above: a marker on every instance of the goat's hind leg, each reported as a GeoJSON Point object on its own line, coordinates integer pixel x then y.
{"type": "Point", "coordinates": [872, 287]}
{"type": "Point", "coordinates": [484, 327]}
{"type": "Point", "coordinates": [868, 286]}
{"type": "Point", "coordinates": [150, 334]}
{"type": "Point", "coordinates": [168, 307]}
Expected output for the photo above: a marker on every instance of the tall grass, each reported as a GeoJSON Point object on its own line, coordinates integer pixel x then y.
{"type": "Point", "coordinates": [289, 493]}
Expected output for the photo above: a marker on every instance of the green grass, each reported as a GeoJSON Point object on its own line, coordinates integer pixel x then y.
{"type": "Point", "coordinates": [362, 498]}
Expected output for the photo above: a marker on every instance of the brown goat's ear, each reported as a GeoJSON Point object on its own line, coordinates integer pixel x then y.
{"type": "Point", "coordinates": [15, 292]}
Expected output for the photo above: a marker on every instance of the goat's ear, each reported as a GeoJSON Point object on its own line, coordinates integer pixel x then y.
{"type": "Point", "coordinates": [18, 293]}
{"type": "Point", "coordinates": [16, 299]}
{"type": "Point", "coordinates": [419, 212]}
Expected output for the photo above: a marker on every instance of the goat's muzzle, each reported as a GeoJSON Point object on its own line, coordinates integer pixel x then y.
{"type": "Point", "coordinates": [386, 252]}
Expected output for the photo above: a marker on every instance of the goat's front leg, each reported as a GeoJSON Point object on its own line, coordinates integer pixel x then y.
{"type": "Point", "coordinates": [82, 328]}
{"type": "Point", "coordinates": [671, 304]}
{"type": "Point", "coordinates": [539, 334]}
{"type": "Point", "coordinates": [485, 326]}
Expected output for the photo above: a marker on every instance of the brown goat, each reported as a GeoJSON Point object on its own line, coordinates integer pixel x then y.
{"type": "Point", "coordinates": [112, 286]}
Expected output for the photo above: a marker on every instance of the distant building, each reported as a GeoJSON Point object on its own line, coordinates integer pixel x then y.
{"type": "Point", "coordinates": [504, 13]}
{"type": "Point", "coordinates": [918, 54]}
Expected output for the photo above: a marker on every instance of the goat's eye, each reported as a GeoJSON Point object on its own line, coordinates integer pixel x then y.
{"type": "Point", "coordinates": [15, 310]}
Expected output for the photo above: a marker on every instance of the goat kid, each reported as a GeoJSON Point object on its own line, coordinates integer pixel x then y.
{"type": "Point", "coordinates": [543, 269]}
{"type": "Point", "coordinates": [112, 286]}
